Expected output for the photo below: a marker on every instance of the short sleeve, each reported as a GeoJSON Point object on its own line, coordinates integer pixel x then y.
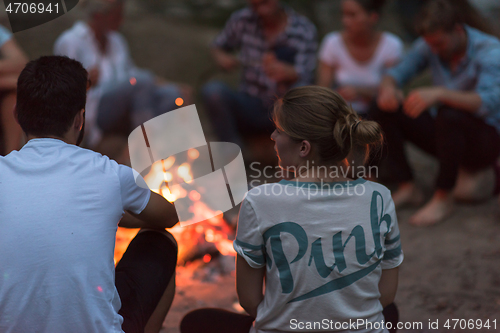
{"type": "Point", "coordinates": [5, 35]}
{"type": "Point", "coordinates": [134, 198]}
{"type": "Point", "coordinates": [327, 51]}
{"type": "Point", "coordinates": [393, 254]}
{"type": "Point", "coordinates": [393, 52]}
{"type": "Point", "coordinates": [249, 242]}
{"type": "Point", "coordinates": [488, 83]}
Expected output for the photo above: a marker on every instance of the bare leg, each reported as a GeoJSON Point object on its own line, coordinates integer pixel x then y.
{"type": "Point", "coordinates": [407, 194]}
{"type": "Point", "coordinates": [11, 129]}
{"type": "Point", "coordinates": [475, 186]}
{"type": "Point", "coordinates": [438, 209]}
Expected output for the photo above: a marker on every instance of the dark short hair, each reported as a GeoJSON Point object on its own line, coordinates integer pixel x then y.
{"type": "Point", "coordinates": [50, 92]}
{"type": "Point", "coordinates": [372, 5]}
{"type": "Point", "coordinates": [437, 15]}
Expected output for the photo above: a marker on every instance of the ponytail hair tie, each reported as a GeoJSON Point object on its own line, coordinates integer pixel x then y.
{"type": "Point", "coordinates": [355, 126]}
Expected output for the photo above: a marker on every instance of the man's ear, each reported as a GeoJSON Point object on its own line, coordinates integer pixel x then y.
{"type": "Point", "coordinates": [79, 120]}
{"type": "Point", "coordinates": [305, 148]}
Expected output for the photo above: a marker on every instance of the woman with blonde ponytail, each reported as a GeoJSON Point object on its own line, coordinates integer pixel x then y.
{"type": "Point", "coordinates": [326, 242]}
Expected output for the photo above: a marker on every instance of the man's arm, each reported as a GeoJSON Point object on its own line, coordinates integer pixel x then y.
{"type": "Point", "coordinates": [12, 63]}
{"type": "Point", "coordinates": [325, 75]}
{"type": "Point", "coordinates": [468, 101]}
{"type": "Point", "coordinates": [158, 214]}
{"type": "Point", "coordinates": [225, 60]}
{"type": "Point", "coordinates": [249, 284]}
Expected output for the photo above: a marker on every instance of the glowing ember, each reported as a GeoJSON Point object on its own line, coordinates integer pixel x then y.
{"type": "Point", "coordinates": [207, 258]}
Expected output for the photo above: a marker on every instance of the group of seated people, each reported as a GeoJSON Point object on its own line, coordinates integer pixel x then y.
{"type": "Point", "coordinates": [65, 238]}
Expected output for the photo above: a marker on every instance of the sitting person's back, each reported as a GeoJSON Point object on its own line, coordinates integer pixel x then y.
{"type": "Point", "coordinates": [64, 203]}
{"type": "Point", "coordinates": [326, 243]}
{"type": "Point", "coordinates": [60, 208]}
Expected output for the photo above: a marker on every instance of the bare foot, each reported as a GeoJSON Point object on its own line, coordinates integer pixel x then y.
{"type": "Point", "coordinates": [475, 187]}
{"type": "Point", "coordinates": [407, 194]}
{"type": "Point", "coordinates": [438, 209]}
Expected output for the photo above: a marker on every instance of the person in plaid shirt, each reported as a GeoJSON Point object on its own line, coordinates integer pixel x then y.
{"type": "Point", "coordinates": [277, 50]}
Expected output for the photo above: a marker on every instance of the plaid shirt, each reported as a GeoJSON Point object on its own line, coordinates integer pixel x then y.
{"type": "Point", "coordinates": [297, 45]}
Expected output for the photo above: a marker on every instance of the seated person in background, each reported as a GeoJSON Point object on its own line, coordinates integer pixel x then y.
{"type": "Point", "coordinates": [457, 119]}
{"type": "Point", "coordinates": [355, 59]}
{"type": "Point", "coordinates": [277, 50]}
{"type": "Point", "coordinates": [122, 96]}
{"type": "Point", "coordinates": [57, 241]}
{"type": "Point", "coordinates": [12, 62]}
{"type": "Point", "coordinates": [286, 231]}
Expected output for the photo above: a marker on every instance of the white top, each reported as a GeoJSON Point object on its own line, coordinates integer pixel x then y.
{"type": "Point", "coordinates": [60, 205]}
{"type": "Point", "coordinates": [324, 248]}
{"type": "Point", "coordinates": [350, 72]}
{"type": "Point", "coordinates": [116, 65]}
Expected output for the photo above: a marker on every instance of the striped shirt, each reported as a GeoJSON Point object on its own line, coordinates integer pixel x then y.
{"type": "Point", "coordinates": [296, 45]}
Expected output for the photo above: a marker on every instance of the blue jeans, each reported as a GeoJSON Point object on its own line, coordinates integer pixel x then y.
{"type": "Point", "coordinates": [124, 106]}
{"type": "Point", "coordinates": [234, 113]}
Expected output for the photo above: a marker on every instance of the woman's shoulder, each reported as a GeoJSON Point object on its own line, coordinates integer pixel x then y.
{"type": "Point", "coordinates": [332, 37]}
{"type": "Point", "coordinates": [377, 187]}
{"type": "Point", "coordinates": [392, 40]}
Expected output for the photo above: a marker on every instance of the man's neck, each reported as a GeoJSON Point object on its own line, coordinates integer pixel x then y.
{"type": "Point", "coordinates": [64, 139]}
{"type": "Point", "coordinates": [460, 53]}
{"type": "Point", "coordinates": [275, 21]}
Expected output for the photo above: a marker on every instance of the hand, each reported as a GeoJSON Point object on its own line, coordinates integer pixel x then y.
{"type": "Point", "coordinates": [277, 70]}
{"type": "Point", "coordinates": [94, 75]}
{"type": "Point", "coordinates": [349, 93]}
{"type": "Point", "coordinates": [225, 61]}
{"type": "Point", "coordinates": [389, 98]}
{"type": "Point", "coordinates": [420, 100]}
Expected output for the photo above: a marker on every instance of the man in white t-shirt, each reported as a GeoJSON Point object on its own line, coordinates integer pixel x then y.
{"type": "Point", "coordinates": [60, 206]}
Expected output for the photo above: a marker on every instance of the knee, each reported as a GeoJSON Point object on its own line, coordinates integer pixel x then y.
{"type": "Point", "coordinates": [169, 238]}
{"type": "Point", "coordinates": [447, 117]}
{"type": "Point", "coordinates": [193, 321]}
{"type": "Point", "coordinates": [214, 91]}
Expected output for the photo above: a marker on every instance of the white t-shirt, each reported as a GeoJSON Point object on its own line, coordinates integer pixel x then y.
{"type": "Point", "coordinates": [59, 209]}
{"type": "Point", "coordinates": [324, 248]}
{"type": "Point", "coordinates": [115, 65]}
{"type": "Point", "coordinates": [350, 72]}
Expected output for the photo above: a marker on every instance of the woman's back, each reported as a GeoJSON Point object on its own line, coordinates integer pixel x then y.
{"type": "Point", "coordinates": [324, 246]}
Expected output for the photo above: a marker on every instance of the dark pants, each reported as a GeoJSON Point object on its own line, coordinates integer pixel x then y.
{"type": "Point", "coordinates": [456, 138]}
{"type": "Point", "coordinates": [222, 321]}
{"type": "Point", "coordinates": [234, 113]}
{"type": "Point", "coordinates": [141, 277]}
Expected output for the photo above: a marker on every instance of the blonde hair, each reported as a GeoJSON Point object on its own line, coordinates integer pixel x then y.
{"type": "Point", "coordinates": [322, 117]}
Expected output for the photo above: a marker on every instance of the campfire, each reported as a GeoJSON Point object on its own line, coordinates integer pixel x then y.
{"type": "Point", "coordinates": [204, 240]}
